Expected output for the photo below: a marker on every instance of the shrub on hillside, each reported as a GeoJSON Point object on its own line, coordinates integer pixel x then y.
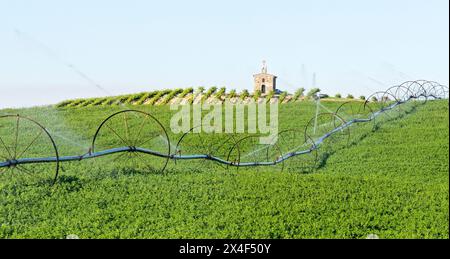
{"type": "Point", "coordinates": [75, 103]}
{"type": "Point", "coordinates": [171, 95]}
{"type": "Point", "coordinates": [108, 101]}
{"type": "Point", "coordinates": [134, 98]}
{"type": "Point", "coordinates": [220, 93]}
{"type": "Point", "coordinates": [283, 96]}
{"type": "Point", "coordinates": [232, 94]}
{"type": "Point", "coordinates": [190, 99]}
{"type": "Point", "coordinates": [208, 93]}
{"type": "Point", "coordinates": [200, 90]}
{"type": "Point", "coordinates": [185, 92]}
{"type": "Point", "coordinates": [256, 95]}
{"type": "Point", "coordinates": [313, 92]}
{"type": "Point", "coordinates": [86, 102]}
{"type": "Point", "coordinates": [122, 99]}
{"type": "Point", "coordinates": [64, 103]}
{"type": "Point", "coordinates": [145, 97]}
{"type": "Point", "coordinates": [244, 94]}
{"type": "Point", "coordinates": [269, 96]}
{"type": "Point", "coordinates": [160, 94]}
{"type": "Point", "coordinates": [97, 101]}
{"type": "Point", "coordinates": [299, 93]}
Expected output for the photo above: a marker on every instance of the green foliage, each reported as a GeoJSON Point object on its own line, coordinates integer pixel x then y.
{"type": "Point", "coordinates": [257, 95]}
{"type": "Point", "coordinates": [338, 96]}
{"type": "Point", "coordinates": [185, 92]}
{"type": "Point", "coordinates": [282, 96]}
{"type": "Point", "coordinates": [362, 97]}
{"type": "Point", "coordinates": [208, 93]}
{"type": "Point", "coordinates": [135, 98]}
{"type": "Point", "coordinates": [244, 94]}
{"type": "Point", "coordinates": [232, 93]}
{"type": "Point", "coordinates": [313, 92]}
{"type": "Point", "coordinates": [269, 96]}
{"type": "Point", "coordinates": [122, 99]}
{"type": "Point", "coordinates": [107, 101]}
{"type": "Point", "coordinates": [190, 99]}
{"type": "Point", "coordinates": [200, 90]}
{"type": "Point", "coordinates": [145, 97]}
{"type": "Point", "coordinates": [130, 99]}
{"type": "Point", "coordinates": [161, 97]}
{"type": "Point", "coordinates": [63, 103]}
{"type": "Point", "coordinates": [171, 95]}
{"type": "Point", "coordinates": [87, 102]}
{"type": "Point", "coordinates": [96, 102]}
{"type": "Point", "coordinates": [75, 103]}
{"type": "Point", "coordinates": [350, 96]}
{"type": "Point", "coordinates": [219, 94]}
{"type": "Point", "coordinates": [158, 96]}
{"type": "Point", "coordinates": [299, 93]}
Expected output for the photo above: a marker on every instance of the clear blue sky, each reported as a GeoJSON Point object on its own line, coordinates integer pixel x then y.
{"type": "Point", "coordinates": [130, 46]}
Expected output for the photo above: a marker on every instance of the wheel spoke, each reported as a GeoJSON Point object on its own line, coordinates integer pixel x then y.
{"type": "Point", "coordinates": [6, 148]}
{"type": "Point", "coordinates": [115, 133]}
{"type": "Point", "coordinates": [119, 157]}
{"type": "Point", "coordinates": [148, 166]}
{"type": "Point", "coordinates": [127, 129]}
{"type": "Point", "coordinates": [26, 170]}
{"type": "Point", "coordinates": [140, 130]}
{"type": "Point", "coordinates": [29, 145]}
{"type": "Point", "coordinates": [137, 156]}
{"type": "Point", "coordinates": [17, 136]}
{"type": "Point", "coordinates": [145, 142]}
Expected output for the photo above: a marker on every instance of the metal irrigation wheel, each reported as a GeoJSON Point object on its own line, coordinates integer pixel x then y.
{"type": "Point", "coordinates": [352, 110]}
{"type": "Point", "coordinates": [431, 89]}
{"type": "Point", "coordinates": [291, 141]}
{"type": "Point", "coordinates": [380, 102]}
{"type": "Point", "coordinates": [401, 93]}
{"type": "Point", "coordinates": [417, 90]}
{"type": "Point", "coordinates": [134, 129]}
{"type": "Point", "coordinates": [355, 110]}
{"type": "Point", "coordinates": [27, 150]}
{"type": "Point", "coordinates": [324, 130]}
{"type": "Point", "coordinates": [193, 143]}
{"type": "Point", "coordinates": [328, 134]}
{"type": "Point", "coordinates": [435, 90]}
{"type": "Point", "coordinates": [250, 151]}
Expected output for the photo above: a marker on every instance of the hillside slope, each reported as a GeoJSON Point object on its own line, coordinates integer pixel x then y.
{"type": "Point", "coordinates": [393, 182]}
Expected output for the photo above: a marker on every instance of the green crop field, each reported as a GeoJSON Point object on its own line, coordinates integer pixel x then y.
{"type": "Point", "coordinates": [390, 178]}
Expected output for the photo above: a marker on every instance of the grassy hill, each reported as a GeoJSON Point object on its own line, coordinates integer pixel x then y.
{"type": "Point", "coordinates": [392, 181]}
